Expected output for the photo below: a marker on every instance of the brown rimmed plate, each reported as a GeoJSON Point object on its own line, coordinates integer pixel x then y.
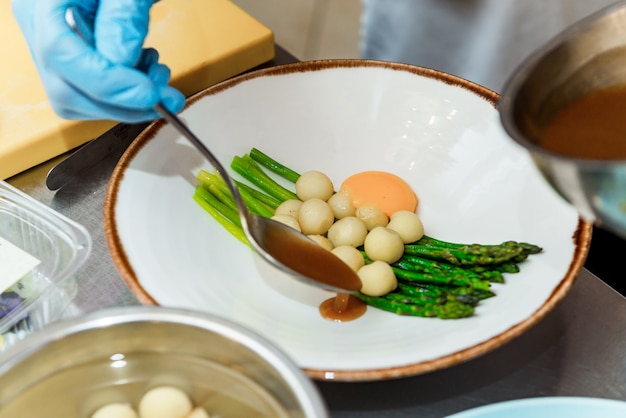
{"type": "Point", "coordinates": [438, 132]}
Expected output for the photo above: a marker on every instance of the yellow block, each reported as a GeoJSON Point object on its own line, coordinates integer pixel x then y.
{"type": "Point", "coordinates": [202, 41]}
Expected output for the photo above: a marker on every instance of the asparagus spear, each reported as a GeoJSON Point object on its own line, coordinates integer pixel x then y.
{"type": "Point", "coordinates": [508, 267]}
{"type": "Point", "coordinates": [266, 199]}
{"type": "Point", "coordinates": [467, 255]}
{"type": "Point", "coordinates": [461, 278]}
{"type": "Point", "coordinates": [254, 200]}
{"type": "Point", "coordinates": [234, 230]}
{"type": "Point", "coordinates": [461, 294]}
{"type": "Point", "coordinates": [481, 254]}
{"type": "Point", "coordinates": [440, 279]}
{"type": "Point", "coordinates": [251, 171]}
{"type": "Point", "coordinates": [226, 211]}
{"type": "Point", "coordinates": [274, 165]}
{"type": "Point", "coordinates": [452, 290]}
{"type": "Point", "coordinates": [447, 310]}
{"type": "Point", "coordinates": [426, 265]}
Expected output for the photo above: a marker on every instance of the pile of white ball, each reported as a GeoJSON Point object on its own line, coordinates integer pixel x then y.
{"type": "Point", "coordinates": [331, 220]}
{"type": "Point", "coordinates": [160, 402]}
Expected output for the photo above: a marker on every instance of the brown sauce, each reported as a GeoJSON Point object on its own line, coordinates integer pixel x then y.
{"type": "Point", "coordinates": [308, 258]}
{"type": "Point", "coordinates": [592, 127]}
{"type": "Point", "coordinates": [342, 308]}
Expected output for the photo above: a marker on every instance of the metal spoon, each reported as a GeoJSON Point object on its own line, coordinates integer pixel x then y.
{"type": "Point", "coordinates": [279, 244]}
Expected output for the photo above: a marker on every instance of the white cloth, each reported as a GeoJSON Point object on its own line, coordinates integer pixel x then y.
{"type": "Point", "coordinates": [480, 40]}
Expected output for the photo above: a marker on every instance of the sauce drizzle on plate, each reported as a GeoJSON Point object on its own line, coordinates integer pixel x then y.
{"type": "Point", "coordinates": [342, 307]}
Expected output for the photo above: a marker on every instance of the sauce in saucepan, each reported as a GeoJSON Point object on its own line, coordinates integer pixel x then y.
{"type": "Point", "coordinates": [592, 127]}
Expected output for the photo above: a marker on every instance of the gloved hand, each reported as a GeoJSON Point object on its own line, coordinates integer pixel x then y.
{"type": "Point", "coordinates": [105, 73]}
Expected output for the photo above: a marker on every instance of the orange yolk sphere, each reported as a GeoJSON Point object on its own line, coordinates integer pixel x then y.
{"type": "Point", "coordinates": [387, 191]}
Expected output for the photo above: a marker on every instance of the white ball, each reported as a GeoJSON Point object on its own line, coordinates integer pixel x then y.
{"type": "Point", "coordinates": [347, 231]}
{"type": "Point", "coordinates": [289, 207]}
{"type": "Point", "coordinates": [371, 216]}
{"type": "Point", "coordinates": [165, 402]}
{"type": "Point", "coordinates": [314, 185]}
{"type": "Point", "coordinates": [322, 241]}
{"type": "Point", "coordinates": [408, 225]}
{"type": "Point", "coordinates": [115, 410]}
{"type": "Point", "coordinates": [383, 244]}
{"type": "Point", "coordinates": [377, 279]}
{"type": "Point", "coordinates": [198, 412]}
{"type": "Point", "coordinates": [350, 255]}
{"type": "Point", "coordinates": [288, 220]}
{"type": "Point", "coordinates": [315, 217]}
{"type": "Point", "coordinates": [341, 204]}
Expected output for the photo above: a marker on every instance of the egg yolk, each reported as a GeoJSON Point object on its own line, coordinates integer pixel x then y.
{"type": "Point", "coordinates": [387, 191]}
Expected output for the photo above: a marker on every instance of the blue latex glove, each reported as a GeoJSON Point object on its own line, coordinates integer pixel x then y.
{"type": "Point", "coordinates": [106, 74]}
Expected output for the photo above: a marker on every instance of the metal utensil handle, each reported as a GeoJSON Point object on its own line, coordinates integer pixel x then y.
{"type": "Point", "coordinates": [177, 123]}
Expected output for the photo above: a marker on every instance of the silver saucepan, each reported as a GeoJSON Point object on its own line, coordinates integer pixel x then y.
{"type": "Point", "coordinates": [586, 57]}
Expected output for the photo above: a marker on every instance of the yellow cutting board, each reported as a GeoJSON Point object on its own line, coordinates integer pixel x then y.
{"type": "Point", "coordinates": [202, 41]}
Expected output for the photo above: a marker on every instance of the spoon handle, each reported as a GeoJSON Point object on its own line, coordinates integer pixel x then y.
{"type": "Point", "coordinates": [178, 124]}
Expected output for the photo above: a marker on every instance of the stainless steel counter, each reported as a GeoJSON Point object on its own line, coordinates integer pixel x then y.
{"type": "Point", "coordinates": [579, 349]}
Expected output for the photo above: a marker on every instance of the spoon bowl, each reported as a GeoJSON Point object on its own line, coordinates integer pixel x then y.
{"type": "Point", "coordinates": [280, 245]}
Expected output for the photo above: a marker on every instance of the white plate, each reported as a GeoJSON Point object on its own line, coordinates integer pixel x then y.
{"type": "Point", "coordinates": [441, 134]}
{"type": "Point", "coordinates": [549, 407]}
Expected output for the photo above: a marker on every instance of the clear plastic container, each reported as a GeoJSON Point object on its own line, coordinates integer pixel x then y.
{"type": "Point", "coordinates": [40, 253]}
